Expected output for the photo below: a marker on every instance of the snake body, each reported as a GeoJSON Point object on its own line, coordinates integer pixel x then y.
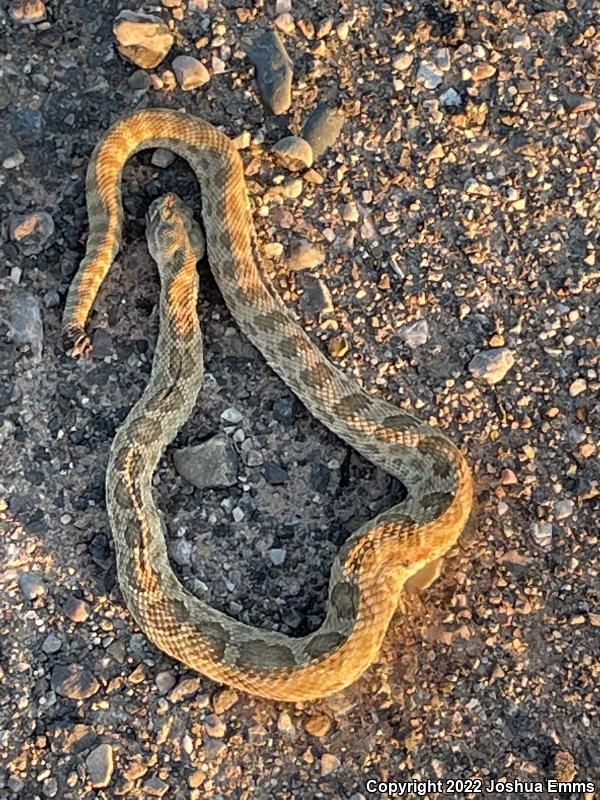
{"type": "Point", "coordinates": [374, 564]}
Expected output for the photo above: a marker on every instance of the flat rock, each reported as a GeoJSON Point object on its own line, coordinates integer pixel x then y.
{"type": "Point", "coordinates": [492, 365]}
{"type": "Point", "coordinates": [190, 72]}
{"type": "Point", "coordinates": [322, 128]}
{"type": "Point", "coordinates": [32, 585]}
{"type": "Point", "coordinates": [31, 231]}
{"type": "Point", "coordinates": [100, 765]}
{"type": "Point", "coordinates": [451, 98]}
{"type": "Point", "coordinates": [155, 787]}
{"type": "Point", "coordinates": [143, 39]}
{"type": "Point", "coordinates": [208, 465]}
{"type": "Point", "coordinates": [305, 255]}
{"type": "Point", "coordinates": [428, 75]}
{"type": "Point", "coordinates": [415, 333]}
{"type": "Point", "coordinates": [274, 474]}
{"type": "Point", "coordinates": [22, 310]}
{"type": "Point", "coordinates": [74, 681]}
{"type": "Point", "coordinates": [274, 71]}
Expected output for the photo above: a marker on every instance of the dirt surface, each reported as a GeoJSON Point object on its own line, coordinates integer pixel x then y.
{"type": "Point", "coordinates": [462, 194]}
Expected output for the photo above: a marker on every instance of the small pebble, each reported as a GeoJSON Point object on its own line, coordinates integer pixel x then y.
{"type": "Point", "coordinates": [322, 128]}
{"type": "Point", "coordinates": [32, 586]}
{"type": "Point", "coordinates": [337, 346]}
{"type": "Point", "coordinates": [563, 509]}
{"type": "Point", "coordinates": [451, 98]}
{"type": "Point", "coordinates": [483, 71]}
{"type": "Point", "coordinates": [225, 700]}
{"type": "Point", "coordinates": [285, 724]}
{"type": "Point", "coordinates": [74, 681]}
{"type": "Point", "coordinates": [294, 153]}
{"type": "Point", "coordinates": [32, 231]}
{"type": "Point", "coordinates": [232, 416]}
{"type": "Point", "coordinates": [215, 727]}
{"type": "Point", "coordinates": [143, 39]}
{"type": "Point", "coordinates": [100, 765]}
{"type": "Point", "coordinates": [190, 72]}
{"type": "Point", "coordinates": [211, 464]}
{"type": "Point", "coordinates": [492, 365]}
{"type": "Point", "coordinates": [51, 644]}
{"type": "Point", "coordinates": [162, 157]}
{"type": "Point", "coordinates": [275, 474]}
{"type": "Point", "coordinates": [277, 556]}
{"type": "Point", "coordinates": [403, 62]}
{"type": "Point", "coordinates": [76, 610]}
{"type": "Point", "coordinates": [155, 787]}
{"type": "Point", "coordinates": [577, 387]}
{"type": "Point", "coordinates": [319, 725]}
{"type": "Point", "coordinates": [329, 763]}
{"type": "Point", "coordinates": [428, 75]}
{"type": "Point", "coordinates": [415, 333]}
{"type": "Point", "coordinates": [305, 255]}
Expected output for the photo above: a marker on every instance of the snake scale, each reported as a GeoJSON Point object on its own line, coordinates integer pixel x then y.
{"type": "Point", "coordinates": [374, 564]}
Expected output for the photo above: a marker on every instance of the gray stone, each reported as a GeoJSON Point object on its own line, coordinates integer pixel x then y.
{"type": "Point", "coordinates": [190, 72]}
{"type": "Point", "coordinates": [283, 409]}
{"type": "Point", "coordinates": [232, 416]}
{"type": "Point", "coordinates": [26, 123]}
{"type": "Point", "coordinates": [316, 298]}
{"type": "Point", "coordinates": [492, 365]}
{"type": "Point", "coordinates": [277, 555]}
{"type": "Point", "coordinates": [162, 157]}
{"type": "Point", "coordinates": [165, 681]}
{"type": "Point", "coordinates": [74, 681]}
{"type": "Point", "coordinates": [208, 465]}
{"type": "Point", "coordinates": [155, 787]}
{"type": "Point", "coordinates": [322, 128]}
{"type": "Point", "coordinates": [141, 38]}
{"type": "Point", "coordinates": [275, 474]}
{"type": "Point", "coordinates": [428, 75]}
{"type": "Point", "coordinates": [415, 333]}
{"type": "Point", "coordinates": [563, 509]}
{"type": "Point", "coordinates": [25, 321]}
{"type": "Point", "coordinates": [32, 585]}
{"type": "Point", "coordinates": [51, 644]}
{"type": "Point", "coordinates": [253, 458]}
{"type": "Point", "coordinates": [294, 153]}
{"type": "Point", "coordinates": [274, 71]}
{"type": "Point", "coordinates": [139, 81]}
{"type": "Point", "coordinates": [31, 231]}
{"type": "Point", "coordinates": [100, 765]}
{"type": "Point", "coordinates": [451, 98]}
{"type": "Point", "coordinates": [180, 551]}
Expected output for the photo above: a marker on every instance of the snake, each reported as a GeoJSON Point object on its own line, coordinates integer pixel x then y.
{"type": "Point", "coordinates": [406, 542]}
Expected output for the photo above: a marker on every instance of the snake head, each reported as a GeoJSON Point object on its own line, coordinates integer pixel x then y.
{"type": "Point", "coordinates": [170, 226]}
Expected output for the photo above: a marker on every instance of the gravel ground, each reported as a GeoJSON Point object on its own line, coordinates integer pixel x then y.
{"type": "Point", "coordinates": [443, 247]}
